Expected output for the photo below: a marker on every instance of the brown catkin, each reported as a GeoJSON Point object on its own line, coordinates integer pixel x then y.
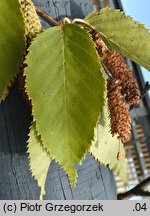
{"type": "Point", "coordinates": [122, 89]}
{"type": "Point", "coordinates": [100, 45]}
{"type": "Point", "coordinates": [119, 110]}
{"type": "Point", "coordinates": [119, 69]}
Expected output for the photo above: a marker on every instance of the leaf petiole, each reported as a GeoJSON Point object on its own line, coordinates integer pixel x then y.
{"type": "Point", "coordinates": [46, 16]}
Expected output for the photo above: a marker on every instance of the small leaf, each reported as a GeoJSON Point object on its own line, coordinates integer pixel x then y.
{"type": "Point", "coordinates": [66, 85]}
{"type": "Point", "coordinates": [123, 34]}
{"type": "Point", "coordinates": [39, 160]}
{"type": "Point", "coordinates": [105, 148]}
{"type": "Point", "coordinates": [12, 42]}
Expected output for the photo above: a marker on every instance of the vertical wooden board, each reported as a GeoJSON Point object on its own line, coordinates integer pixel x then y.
{"type": "Point", "coordinates": [67, 8]}
{"type": "Point", "coordinates": [94, 182]}
{"type": "Point", "coordinates": [145, 122]}
{"type": "Point", "coordinates": [57, 185]}
{"type": "Point", "coordinates": [85, 7]}
{"type": "Point", "coordinates": [16, 182]}
{"type": "Point", "coordinates": [56, 9]}
{"type": "Point", "coordinates": [15, 177]}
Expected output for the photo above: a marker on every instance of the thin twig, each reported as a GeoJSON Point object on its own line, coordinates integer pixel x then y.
{"type": "Point", "coordinates": [46, 16]}
{"type": "Point", "coordinates": [145, 90]}
{"type": "Point", "coordinates": [138, 190]}
{"type": "Point", "coordinates": [143, 94]}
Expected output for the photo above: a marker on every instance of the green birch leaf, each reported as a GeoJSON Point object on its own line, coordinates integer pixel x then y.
{"type": "Point", "coordinates": [39, 160]}
{"type": "Point", "coordinates": [66, 85]}
{"type": "Point", "coordinates": [12, 43]}
{"type": "Point", "coordinates": [105, 148]}
{"type": "Point", "coordinates": [123, 34]}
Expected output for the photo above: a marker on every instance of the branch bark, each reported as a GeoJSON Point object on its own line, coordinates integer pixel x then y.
{"type": "Point", "coordinates": [146, 89]}
{"type": "Point", "coordinates": [46, 16]}
{"type": "Point", "coordinates": [138, 190]}
{"type": "Point", "coordinates": [144, 93]}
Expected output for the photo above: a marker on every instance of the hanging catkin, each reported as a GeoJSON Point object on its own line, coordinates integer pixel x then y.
{"type": "Point", "coordinates": [122, 89]}
{"type": "Point", "coordinates": [100, 45]}
{"type": "Point", "coordinates": [119, 110]}
{"type": "Point", "coordinates": [31, 19]}
{"type": "Point", "coordinates": [119, 69]}
{"type": "Point", "coordinates": [32, 28]}
{"type": "Point", "coordinates": [116, 64]}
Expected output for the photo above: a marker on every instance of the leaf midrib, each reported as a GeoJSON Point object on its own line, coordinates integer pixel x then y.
{"type": "Point", "coordinates": [65, 82]}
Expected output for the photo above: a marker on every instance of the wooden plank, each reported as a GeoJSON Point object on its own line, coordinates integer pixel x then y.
{"type": "Point", "coordinates": [140, 135]}
{"type": "Point", "coordinates": [147, 160]}
{"type": "Point", "coordinates": [140, 130]}
{"type": "Point", "coordinates": [131, 151]}
{"type": "Point", "coordinates": [146, 154]}
{"type": "Point", "coordinates": [16, 182]}
{"type": "Point", "coordinates": [138, 126]}
{"type": "Point", "coordinates": [136, 172]}
{"type": "Point", "coordinates": [143, 144]}
{"type": "Point", "coordinates": [145, 150]}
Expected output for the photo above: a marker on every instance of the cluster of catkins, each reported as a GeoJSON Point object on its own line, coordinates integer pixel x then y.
{"type": "Point", "coordinates": [122, 89]}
